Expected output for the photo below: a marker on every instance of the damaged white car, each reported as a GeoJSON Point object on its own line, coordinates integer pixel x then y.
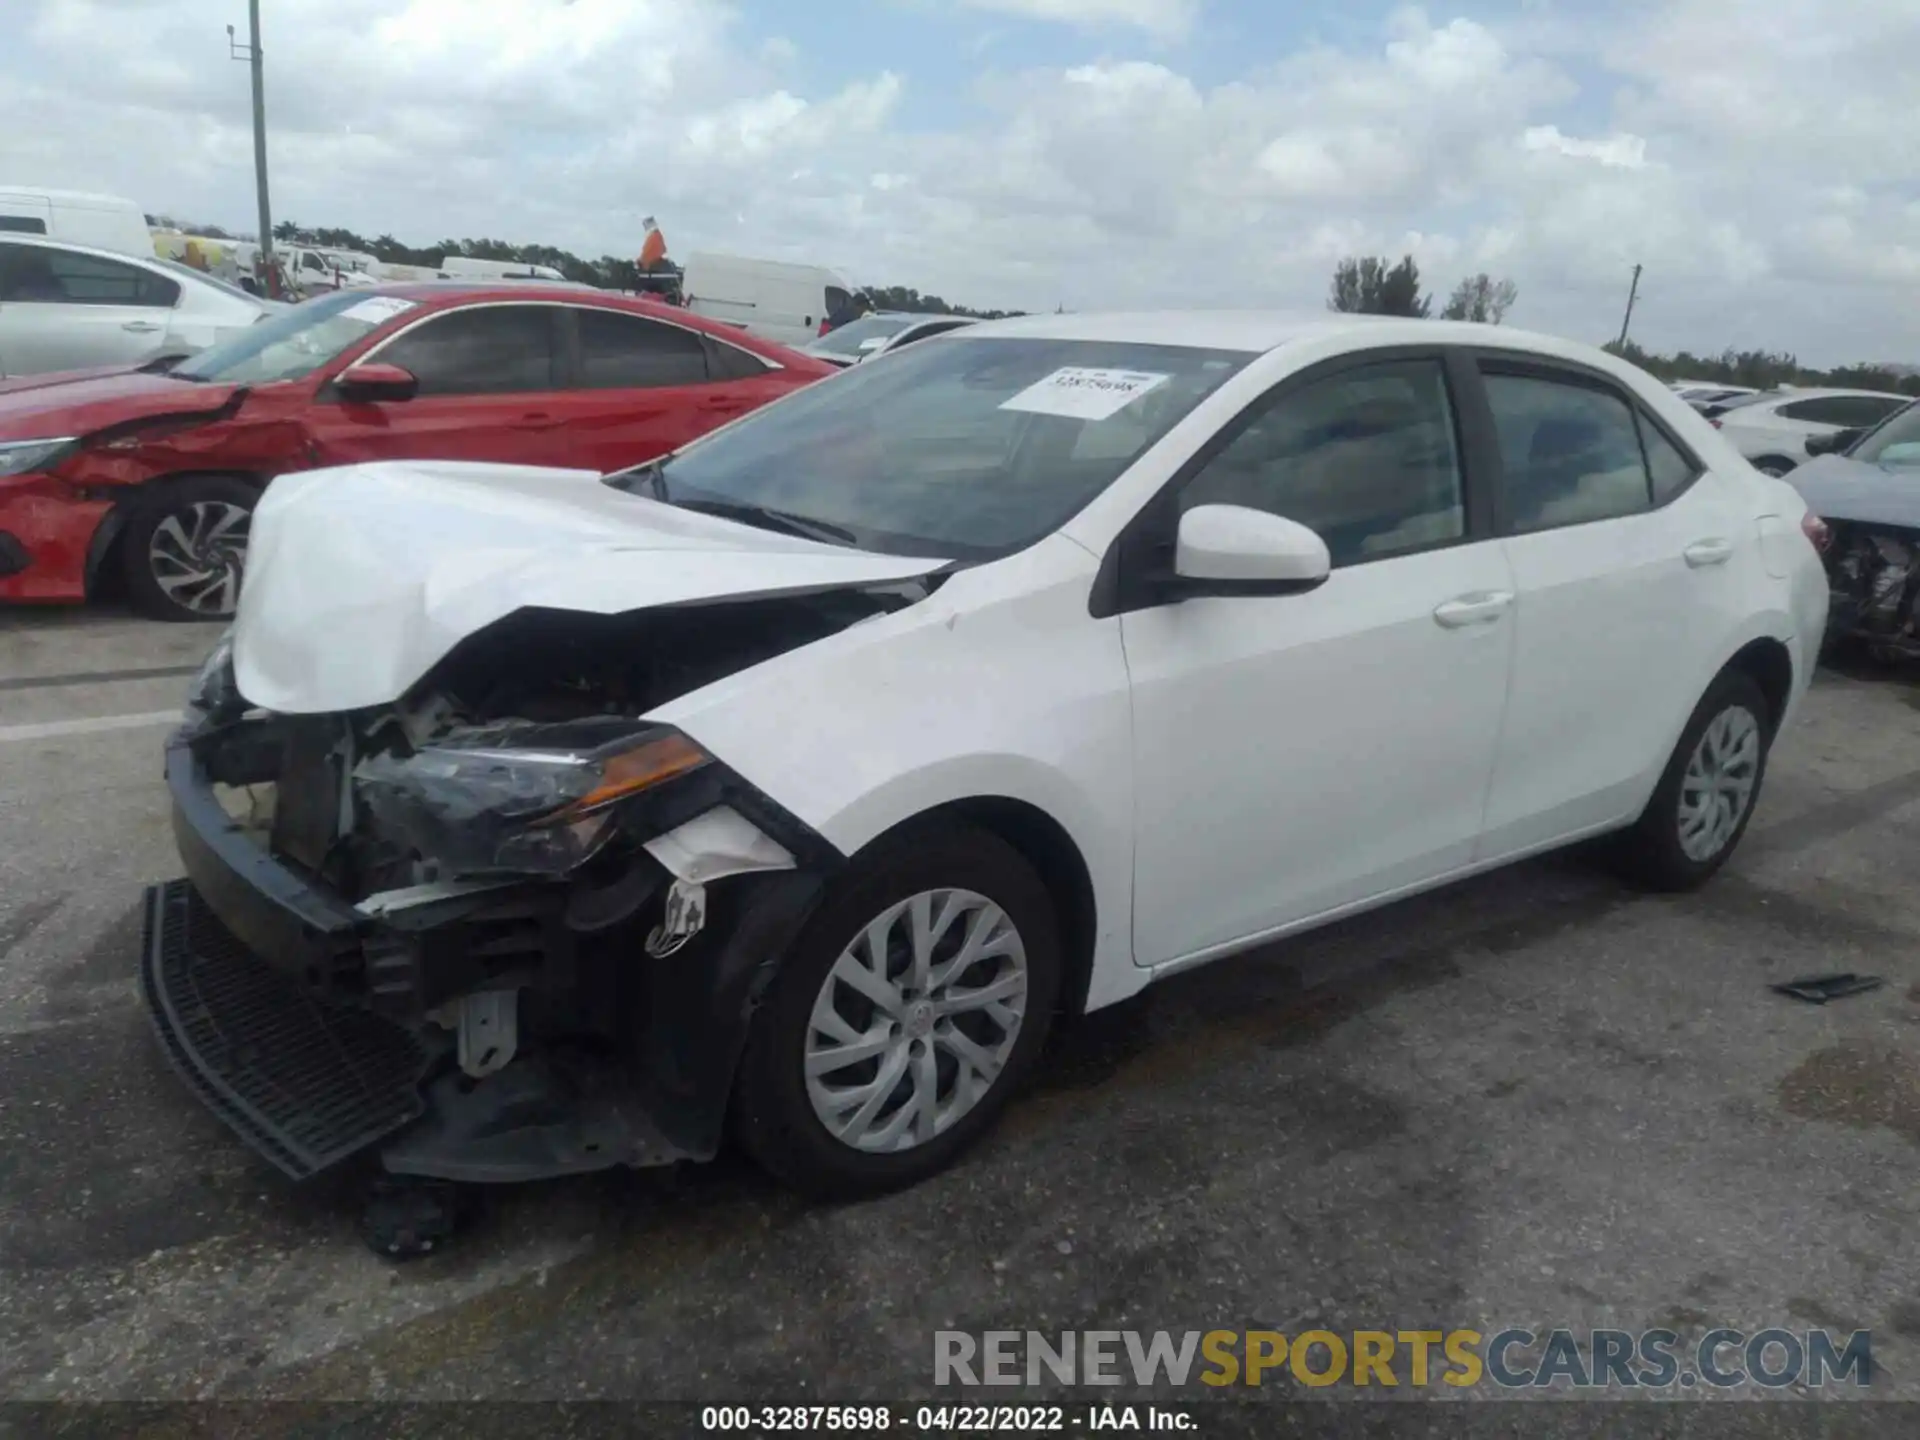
{"type": "Point", "coordinates": [536, 822]}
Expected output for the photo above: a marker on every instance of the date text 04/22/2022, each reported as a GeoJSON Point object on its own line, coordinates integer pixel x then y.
{"type": "Point", "coordinates": [943, 1419]}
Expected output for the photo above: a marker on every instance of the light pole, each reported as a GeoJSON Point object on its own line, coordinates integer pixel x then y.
{"type": "Point", "coordinates": [251, 53]}
{"type": "Point", "coordinates": [1633, 291]}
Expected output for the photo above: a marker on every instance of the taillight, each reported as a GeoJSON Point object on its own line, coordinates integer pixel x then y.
{"type": "Point", "coordinates": [825, 326]}
{"type": "Point", "coordinates": [1817, 531]}
{"type": "Point", "coordinates": [1714, 423]}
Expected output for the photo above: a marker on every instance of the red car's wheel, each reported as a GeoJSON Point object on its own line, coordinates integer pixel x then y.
{"type": "Point", "coordinates": [185, 547]}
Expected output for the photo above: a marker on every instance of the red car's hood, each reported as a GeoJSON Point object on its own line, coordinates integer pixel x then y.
{"type": "Point", "coordinates": [80, 402]}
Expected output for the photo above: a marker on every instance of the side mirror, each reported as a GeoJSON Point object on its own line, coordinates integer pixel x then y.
{"type": "Point", "coordinates": [377, 382]}
{"type": "Point", "coordinates": [1234, 550]}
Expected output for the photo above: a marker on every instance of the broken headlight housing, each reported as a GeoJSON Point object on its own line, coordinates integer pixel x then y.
{"type": "Point", "coordinates": [521, 798]}
{"type": "Point", "coordinates": [213, 692]}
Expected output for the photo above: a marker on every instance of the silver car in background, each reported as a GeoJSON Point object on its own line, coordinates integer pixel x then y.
{"type": "Point", "coordinates": [72, 307]}
{"type": "Point", "coordinates": [878, 334]}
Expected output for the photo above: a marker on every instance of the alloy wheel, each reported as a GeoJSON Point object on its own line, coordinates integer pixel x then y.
{"type": "Point", "coordinates": [1718, 784]}
{"type": "Point", "coordinates": [197, 554]}
{"type": "Point", "coordinates": [915, 1020]}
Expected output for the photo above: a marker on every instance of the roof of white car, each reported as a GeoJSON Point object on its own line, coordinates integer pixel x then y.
{"type": "Point", "coordinates": [1820, 392]}
{"type": "Point", "coordinates": [1262, 330]}
{"type": "Point", "coordinates": [57, 242]}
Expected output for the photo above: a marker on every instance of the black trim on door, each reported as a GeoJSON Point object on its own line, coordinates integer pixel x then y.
{"type": "Point", "coordinates": [1144, 547]}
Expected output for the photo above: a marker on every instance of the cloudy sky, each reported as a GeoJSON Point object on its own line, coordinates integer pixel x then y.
{"type": "Point", "coordinates": [1758, 157]}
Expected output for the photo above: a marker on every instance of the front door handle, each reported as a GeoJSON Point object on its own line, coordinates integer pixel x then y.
{"type": "Point", "coordinates": [1481, 607]}
{"type": "Point", "coordinates": [141, 327]}
{"type": "Point", "coordinates": [1708, 552]}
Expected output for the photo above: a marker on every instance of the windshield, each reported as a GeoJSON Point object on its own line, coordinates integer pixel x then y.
{"type": "Point", "coordinates": [850, 338]}
{"type": "Point", "coordinates": [1896, 441]}
{"type": "Point", "coordinates": [964, 451]}
{"type": "Point", "coordinates": [295, 342]}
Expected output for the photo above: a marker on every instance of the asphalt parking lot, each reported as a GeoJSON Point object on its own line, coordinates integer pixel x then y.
{"type": "Point", "coordinates": [1534, 1099]}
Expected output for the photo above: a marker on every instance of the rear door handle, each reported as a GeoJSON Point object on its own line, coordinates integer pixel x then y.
{"type": "Point", "coordinates": [1708, 552]}
{"type": "Point", "coordinates": [141, 327]}
{"type": "Point", "coordinates": [535, 420]}
{"type": "Point", "coordinates": [1481, 607]}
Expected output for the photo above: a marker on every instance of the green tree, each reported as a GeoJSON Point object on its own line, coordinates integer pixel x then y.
{"type": "Point", "coordinates": [1367, 285]}
{"type": "Point", "coordinates": [1481, 298]}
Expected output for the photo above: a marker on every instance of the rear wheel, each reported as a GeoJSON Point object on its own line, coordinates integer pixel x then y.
{"type": "Point", "coordinates": [185, 546]}
{"type": "Point", "coordinates": [906, 1016]}
{"type": "Point", "coordinates": [1706, 795]}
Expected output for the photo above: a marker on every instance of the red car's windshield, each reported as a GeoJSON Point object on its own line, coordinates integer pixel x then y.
{"type": "Point", "coordinates": [296, 342]}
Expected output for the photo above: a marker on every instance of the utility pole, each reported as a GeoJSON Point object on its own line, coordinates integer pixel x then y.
{"type": "Point", "coordinates": [1626, 320]}
{"type": "Point", "coordinates": [251, 53]}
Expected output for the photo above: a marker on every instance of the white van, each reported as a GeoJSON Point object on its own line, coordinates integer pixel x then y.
{"type": "Point", "coordinates": [770, 298]}
{"type": "Point", "coordinates": [106, 222]}
{"type": "Point", "coordinates": [465, 267]}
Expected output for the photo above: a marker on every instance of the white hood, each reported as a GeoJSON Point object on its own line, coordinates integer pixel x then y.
{"type": "Point", "coordinates": [359, 580]}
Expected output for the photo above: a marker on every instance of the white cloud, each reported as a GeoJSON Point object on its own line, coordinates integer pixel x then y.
{"type": "Point", "coordinates": [1622, 152]}
{"type": "Point", "coordinates": [1167, 18]}
{"type": "Point", "coordinates": [1753, 155]}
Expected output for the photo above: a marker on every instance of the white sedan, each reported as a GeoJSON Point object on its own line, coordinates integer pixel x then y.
{"type": "Point", "coordinates": [1772, 429]}
{"type": "Point", "coordinates": [72, 307]}
{"type": "Point", "coordinates": [835, 756]}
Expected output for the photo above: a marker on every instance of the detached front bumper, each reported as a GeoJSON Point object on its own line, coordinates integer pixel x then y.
{"type": "Point", "coordinates": [306, 1085]}
{"type": "Point", "coordinates": [304, 1023]}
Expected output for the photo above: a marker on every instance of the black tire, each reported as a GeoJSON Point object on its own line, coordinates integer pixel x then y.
{"type": "Point", "coordinates": [1775, 465]}
{"type": "Point", "coordinates": [773, 1116]}
{"type": "Point", "coordinates": [1650, 852]}
{"type": "Point", "coordinates": [182, 501]}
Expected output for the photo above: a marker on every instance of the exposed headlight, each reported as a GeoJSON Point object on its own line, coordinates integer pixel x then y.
{"type": "Point", "coordinates": [213, 692]}
{"type": "Point", "coordinates": [523, 799]}
{"type": "Point", "coordinates": [17, 457]}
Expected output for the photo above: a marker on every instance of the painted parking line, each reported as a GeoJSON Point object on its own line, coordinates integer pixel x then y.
{"type": "Point", "coordinates": [55, 729]}
{"type": "Point", "coordinates": [96, 677]}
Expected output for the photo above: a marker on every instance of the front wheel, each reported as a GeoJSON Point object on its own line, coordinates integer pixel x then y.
{"type": "Point", "coordinates": [1775, 465]}
{"type": "Point", "coordinates": [1706, 795]}
{"type": "Point", "coordinates": [905, 1017]}
{"type": "Point", "coordinates": [185, 546]}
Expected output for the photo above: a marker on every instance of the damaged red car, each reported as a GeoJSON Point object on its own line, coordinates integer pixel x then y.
{"type": "Point", "coordinates": [146, 478]}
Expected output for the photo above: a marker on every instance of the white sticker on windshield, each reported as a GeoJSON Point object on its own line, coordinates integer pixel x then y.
{"type": "Point", "coordinates": [1080, 393]}
{"type": "Point", "coordinates": [378, 309]}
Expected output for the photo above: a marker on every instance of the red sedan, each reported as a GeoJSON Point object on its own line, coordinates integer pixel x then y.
{"type": "Point", "coordinates": [151, 474]}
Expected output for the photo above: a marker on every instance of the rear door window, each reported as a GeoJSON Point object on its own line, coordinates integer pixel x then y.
{"type": "Point", "coordinates": [1669, 468]}
{"type": "Point", "coordinates": [1842, 410]}
{"type": "Point", "coordinates": [1569, 452]}
{"type": "Point", "coordinates": [631, 352]}
{"type": "Point", "coordinates": [485, 350]}
{"type": "Point", "coordinates": [1864, 410]}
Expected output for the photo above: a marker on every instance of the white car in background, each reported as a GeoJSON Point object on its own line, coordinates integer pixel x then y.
{"type": "Point", "coordinates": [1772, 429]}
{"type": "Point", "coordinates": [1702, 393]}
{"type": "Point", "coordinates": [881, 333]}
{"type": "Point", "coordinates": [998, 680]}
{"type": "Point", "coordinates": [72, 307]}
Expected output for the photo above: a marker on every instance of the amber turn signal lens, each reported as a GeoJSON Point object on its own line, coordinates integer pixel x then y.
{"type": "Point", "coordinates": [638, 769]}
